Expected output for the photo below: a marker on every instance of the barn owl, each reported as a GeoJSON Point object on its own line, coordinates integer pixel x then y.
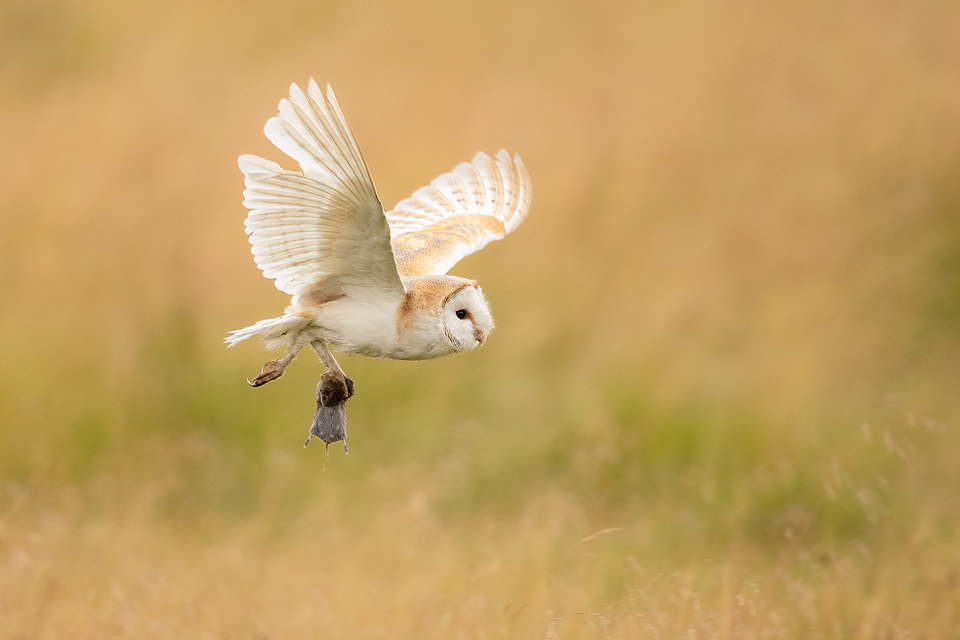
{"type": "Point", "coordinates": [362, 280]}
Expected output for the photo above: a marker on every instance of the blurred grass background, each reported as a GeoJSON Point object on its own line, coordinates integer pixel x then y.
{"type": "Point", "coordinates": [722, 401]}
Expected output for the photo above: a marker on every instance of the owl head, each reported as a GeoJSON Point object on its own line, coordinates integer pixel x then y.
{"type": "Point", "coordinates": [466, 318]}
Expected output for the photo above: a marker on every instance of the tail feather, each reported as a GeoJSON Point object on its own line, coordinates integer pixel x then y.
{"type": "Point", "coordinates": [273, 332]}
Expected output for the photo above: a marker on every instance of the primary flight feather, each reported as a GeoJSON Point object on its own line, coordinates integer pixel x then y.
{"type": "Point", "coordinates": [362, 280]}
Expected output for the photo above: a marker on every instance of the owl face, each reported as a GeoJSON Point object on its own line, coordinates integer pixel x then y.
{"type": "Point", "coordinates": [466, 319]}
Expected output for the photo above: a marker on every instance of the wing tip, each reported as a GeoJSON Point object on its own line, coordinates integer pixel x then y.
{"type": "Point", "coordinates": [256, 167]}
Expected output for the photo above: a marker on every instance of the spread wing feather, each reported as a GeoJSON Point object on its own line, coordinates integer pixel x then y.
{"type": "Point", "coordinates": [323, 225]}
{"type": "Point", "coordinates": [459, 213]}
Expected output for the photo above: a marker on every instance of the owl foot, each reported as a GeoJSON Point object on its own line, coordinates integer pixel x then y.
{"type": "Point", "coordinates": [270, 371]}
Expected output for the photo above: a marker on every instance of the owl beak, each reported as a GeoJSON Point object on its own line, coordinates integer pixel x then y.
{"type": "Point", "coordinates": [480, 336]}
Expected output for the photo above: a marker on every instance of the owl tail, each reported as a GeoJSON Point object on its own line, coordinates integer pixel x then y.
{"type": "Point", "coordinates": [274, 332]}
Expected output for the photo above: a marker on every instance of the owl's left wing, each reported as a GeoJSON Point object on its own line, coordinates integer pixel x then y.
{"type": "Point", "coordinates": [459, 213]}
{"type": "Point", "coordinates": [320, 230]}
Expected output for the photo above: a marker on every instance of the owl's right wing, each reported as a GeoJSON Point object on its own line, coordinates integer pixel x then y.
{"type": "Point", "coordinates": [321, 229]}
{"type": "Point", "coordinates": [459, 213]}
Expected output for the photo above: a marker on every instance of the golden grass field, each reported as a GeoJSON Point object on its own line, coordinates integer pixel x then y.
{"type": "Point", "coordinates": [722, 400]}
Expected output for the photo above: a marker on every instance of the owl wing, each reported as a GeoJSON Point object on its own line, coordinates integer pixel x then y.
{"type": "Point", "coordinates": [321, 229]}
{"type": "Point", "coordinates": [459, 213]}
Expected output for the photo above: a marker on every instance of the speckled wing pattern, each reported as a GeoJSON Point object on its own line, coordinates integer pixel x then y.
{"type": "Point", "coordinates": [459, 213]}
{"type": "Point", "coordinates": [321, 228]}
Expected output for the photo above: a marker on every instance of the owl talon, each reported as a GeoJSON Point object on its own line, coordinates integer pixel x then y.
{"type": "Point", "coordinates": [270, 371]}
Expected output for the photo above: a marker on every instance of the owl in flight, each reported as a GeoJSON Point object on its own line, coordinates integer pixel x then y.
{"type": "Point", "coordinates": [365, 281]}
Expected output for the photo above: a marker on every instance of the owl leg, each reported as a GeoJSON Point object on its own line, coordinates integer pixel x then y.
{"type": "Point", "coordinates": [335, 387]}
{"type": "Point", "coordinates": [326, 356]}
{"type": "Point", "coordinates": [275, 368]}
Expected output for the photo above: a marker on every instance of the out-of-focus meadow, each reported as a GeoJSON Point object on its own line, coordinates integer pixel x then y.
{"type": "Point", "coordinates": [722, 401]}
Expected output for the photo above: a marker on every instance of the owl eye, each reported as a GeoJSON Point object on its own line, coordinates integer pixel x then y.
{"type": "Point", "coordinates": [461, 313]}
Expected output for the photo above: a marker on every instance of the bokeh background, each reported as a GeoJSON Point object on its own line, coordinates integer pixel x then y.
{"type": "Point", "coordinates": [721, 402]}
